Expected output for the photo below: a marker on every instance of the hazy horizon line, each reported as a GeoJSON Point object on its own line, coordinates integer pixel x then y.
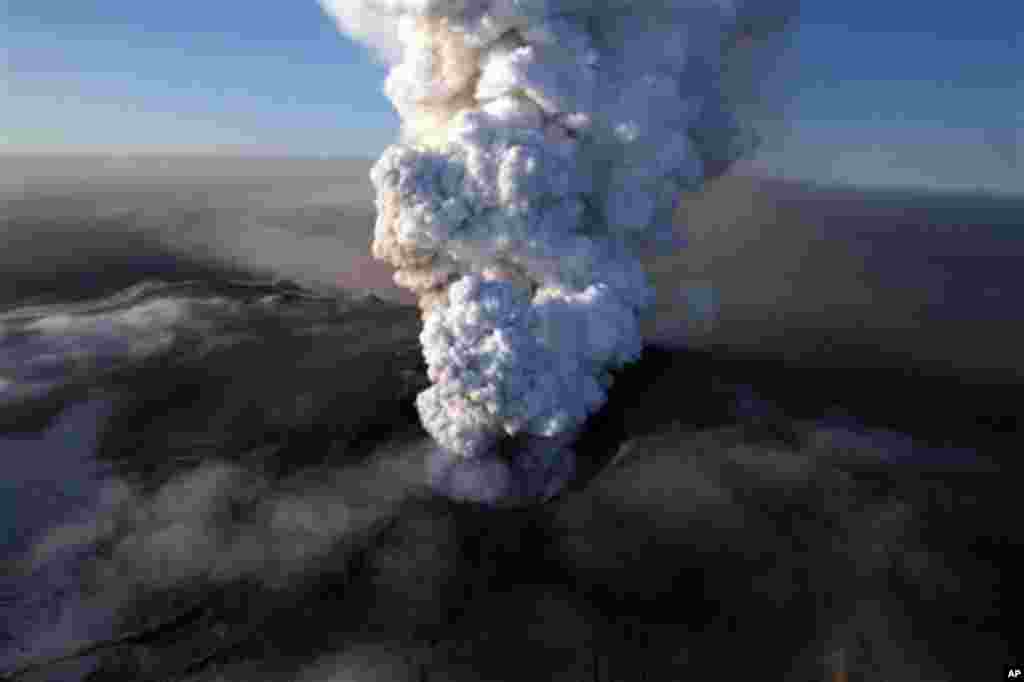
{"type": "Point", "coordinates": [746, 169]}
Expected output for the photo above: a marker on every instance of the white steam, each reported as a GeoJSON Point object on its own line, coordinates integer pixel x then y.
{"type": "Point", "coordinates": [544, 143]}
{"type": "Point", "coordinates": [41, 350]}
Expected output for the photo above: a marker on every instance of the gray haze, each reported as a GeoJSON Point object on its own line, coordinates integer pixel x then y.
{"type": "Point", "coordinates": [770, 264]}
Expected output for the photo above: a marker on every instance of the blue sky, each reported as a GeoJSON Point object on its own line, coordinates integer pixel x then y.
{"type": "Point", "coordinates": [875, 92]}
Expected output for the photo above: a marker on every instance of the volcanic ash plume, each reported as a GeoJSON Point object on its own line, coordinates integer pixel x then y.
{"type": "Point", "coordinates": [544, 142]}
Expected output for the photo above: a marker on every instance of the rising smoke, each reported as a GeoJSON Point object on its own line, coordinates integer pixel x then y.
{"type": "Point", "coordinates": [544, 144]}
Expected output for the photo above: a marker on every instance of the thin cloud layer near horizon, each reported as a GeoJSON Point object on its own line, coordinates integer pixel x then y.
{"type": "Point", "coordinates": [915, 95]}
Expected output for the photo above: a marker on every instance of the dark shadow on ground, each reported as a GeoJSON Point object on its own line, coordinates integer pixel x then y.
{"type": "Point", "coordinates": [706, 525]}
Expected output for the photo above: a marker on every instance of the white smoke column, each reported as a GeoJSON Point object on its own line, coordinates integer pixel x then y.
{"type": "Point", "coordinates": [544, 142]}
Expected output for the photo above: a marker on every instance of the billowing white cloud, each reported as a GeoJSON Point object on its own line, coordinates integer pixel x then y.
{"type": "Point", "coordinates": [544, 143]}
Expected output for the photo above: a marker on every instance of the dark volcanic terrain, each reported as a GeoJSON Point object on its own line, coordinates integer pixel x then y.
{"type": "Point", "coordinates": [212, 473]}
